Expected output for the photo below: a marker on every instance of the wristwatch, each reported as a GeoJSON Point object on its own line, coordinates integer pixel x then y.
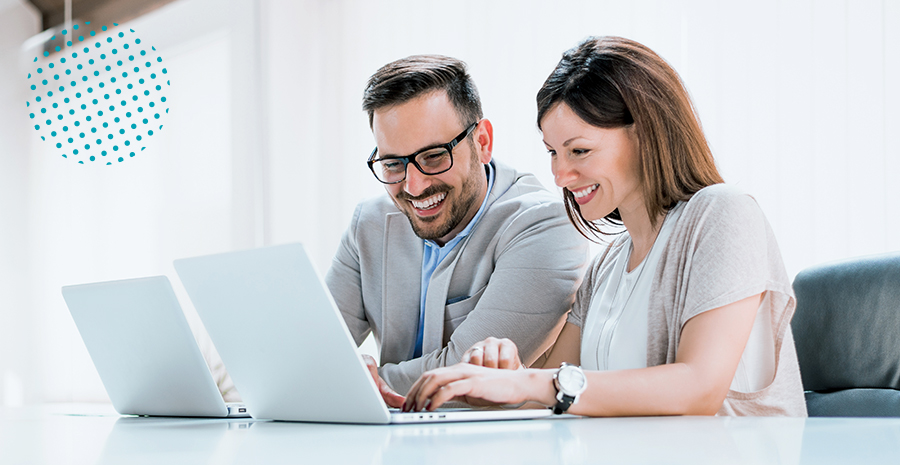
{"type": "Point", "coordinates": [570, 382]}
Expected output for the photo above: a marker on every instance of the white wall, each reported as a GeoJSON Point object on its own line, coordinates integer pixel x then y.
{"type": "Point", "coordinates": [799, 99]}
{"type": "Point", "coordinates": [266, 142]}
{"type": "Point", "coordinates": [188, 194]}
{"type": "Point", "coordinates": [17, 23]}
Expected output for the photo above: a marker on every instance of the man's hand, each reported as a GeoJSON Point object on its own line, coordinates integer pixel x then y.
{"type": "Point", "coordinates": [391, 398]}
{"type": "Point", "coordinates": [494, 353]}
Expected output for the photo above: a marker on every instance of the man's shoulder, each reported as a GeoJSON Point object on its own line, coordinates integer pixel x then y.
{"type": "Point", "coordinates": [521, 204]}
{"type": "Point", "coordinates": [375, 207]}
{"type": "Point", "coordinates": [520, 191]}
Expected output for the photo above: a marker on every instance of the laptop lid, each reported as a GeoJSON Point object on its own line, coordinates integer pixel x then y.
{"type": "Point", "coordinates": [279, 333]}
{"type": "Point", "coordinates": [286, 345]}
{"type": "Point", "coordinates": [143, 349]}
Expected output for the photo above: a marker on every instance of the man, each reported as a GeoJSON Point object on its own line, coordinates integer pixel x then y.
{"type": "Point", "coordinates": [462, 247]}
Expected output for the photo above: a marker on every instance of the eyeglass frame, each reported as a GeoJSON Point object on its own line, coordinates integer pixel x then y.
{"type": "Point", "coordinates": [449, 146]}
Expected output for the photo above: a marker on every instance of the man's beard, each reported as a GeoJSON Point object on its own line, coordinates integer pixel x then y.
{"type": "Point", "coordinates": [458, 208]}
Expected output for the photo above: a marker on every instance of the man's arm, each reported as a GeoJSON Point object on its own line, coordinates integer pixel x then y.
{"type": "Point", "coordinates": [345, 283]}
{"type": "Point", "coordinates": [538, 268]}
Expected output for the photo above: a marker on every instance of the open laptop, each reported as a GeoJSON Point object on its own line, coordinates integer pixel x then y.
{"type": "Point", "coordinates": [144, 350]}
{"type": "Point", "coordinates": [286, 345]}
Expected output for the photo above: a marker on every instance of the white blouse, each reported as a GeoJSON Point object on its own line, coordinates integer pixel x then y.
{"type": "Point", "coordinates": [615, 333]}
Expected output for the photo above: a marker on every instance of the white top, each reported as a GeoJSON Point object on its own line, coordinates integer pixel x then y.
{"type": "Point", "coordinates": [615, 333]}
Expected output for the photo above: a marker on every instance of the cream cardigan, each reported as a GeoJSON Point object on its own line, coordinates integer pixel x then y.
{"type": "Point", "coordinates": [722, 250]}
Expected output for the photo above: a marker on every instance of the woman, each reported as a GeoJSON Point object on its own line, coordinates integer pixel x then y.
{"type": "Point", "coordinates": [688, 311]}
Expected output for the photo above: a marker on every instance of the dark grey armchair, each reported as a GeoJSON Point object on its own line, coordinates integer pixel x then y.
{"type": "Point", "coordinates": [847, 331]}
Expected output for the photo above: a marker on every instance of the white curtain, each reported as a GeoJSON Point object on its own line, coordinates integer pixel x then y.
{"type": "Point", "coordinates": [266, 142]}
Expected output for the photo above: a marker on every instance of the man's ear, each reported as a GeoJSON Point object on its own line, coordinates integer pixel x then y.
{"type": "Point", "coordinates": [484, 140]}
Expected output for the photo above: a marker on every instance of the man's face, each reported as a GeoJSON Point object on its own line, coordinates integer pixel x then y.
{"type": "Point", "coordinates": [438, 206]}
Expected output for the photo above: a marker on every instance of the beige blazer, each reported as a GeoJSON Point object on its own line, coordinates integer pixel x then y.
{"type": "Point", "coordinates": [513, 276]}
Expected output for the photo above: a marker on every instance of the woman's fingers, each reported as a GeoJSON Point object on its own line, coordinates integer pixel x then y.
{"type": "Point", "coordinates": [431, 382]}
{"type": "Point", "coordinates": [448, 392]}
{"type": "Point", "coordinates": [409, 402]}
{"type": "Point", "coordinates": [467, 382]}
{"type": "Point", "coordinates": [427, 384]}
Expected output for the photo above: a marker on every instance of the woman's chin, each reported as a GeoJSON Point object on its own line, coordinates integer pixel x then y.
{"type": "Point", "coordinates": [592, 215]}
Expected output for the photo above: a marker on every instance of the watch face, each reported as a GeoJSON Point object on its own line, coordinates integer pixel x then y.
{"type": "Point", "coordinates": [571, 380]}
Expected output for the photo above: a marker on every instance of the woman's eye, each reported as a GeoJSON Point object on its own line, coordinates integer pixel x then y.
{"type": "Point", "coordinates": [579, 152]}
{"type": "Point", "coordinates": [552, 153]}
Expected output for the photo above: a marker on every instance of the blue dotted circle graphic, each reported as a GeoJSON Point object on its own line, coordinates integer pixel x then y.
{"type": "Point", "coordinates": [101, 98]}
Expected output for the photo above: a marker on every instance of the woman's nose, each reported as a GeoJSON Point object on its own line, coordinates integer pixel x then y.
{"type": "Point", "coordinates": [563, 173]}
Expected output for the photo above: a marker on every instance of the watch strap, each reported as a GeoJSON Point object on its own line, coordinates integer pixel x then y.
{"type": "Point", "coordinates": [563, 402]}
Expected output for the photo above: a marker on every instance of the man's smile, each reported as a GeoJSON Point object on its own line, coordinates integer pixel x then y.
{"type": "Point", "coordinates": [429, 205]}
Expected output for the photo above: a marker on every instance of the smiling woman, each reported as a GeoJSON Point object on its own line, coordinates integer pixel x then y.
{"type": "Point", "coordinates": [688, 311]}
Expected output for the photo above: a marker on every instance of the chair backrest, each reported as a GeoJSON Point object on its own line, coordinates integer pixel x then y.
{"type": "Point", "coordinates": [847, 331]}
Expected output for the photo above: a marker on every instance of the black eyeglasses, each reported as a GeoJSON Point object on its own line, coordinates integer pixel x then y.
{"type": "Point", "coordinates": [430, 161]}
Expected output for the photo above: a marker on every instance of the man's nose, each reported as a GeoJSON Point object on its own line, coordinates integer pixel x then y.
{"type": "Point", "coordinates": [415, 182]}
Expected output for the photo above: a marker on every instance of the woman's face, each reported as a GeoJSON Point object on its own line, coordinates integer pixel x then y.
{"type": "Point", "coordinates": [600, 167]}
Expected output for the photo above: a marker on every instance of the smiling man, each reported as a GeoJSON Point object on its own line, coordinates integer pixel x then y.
{"type": "Point", "coordinates": [462, 247]}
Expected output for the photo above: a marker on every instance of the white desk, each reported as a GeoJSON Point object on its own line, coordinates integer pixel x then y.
{"type": "Point", "coordinates": [52, 435]}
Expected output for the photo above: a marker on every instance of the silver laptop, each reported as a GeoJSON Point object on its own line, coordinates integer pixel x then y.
{"type": "Point", "coordinates": [144, 350]}
{"type": "Point", "coordinates": [286, 345]}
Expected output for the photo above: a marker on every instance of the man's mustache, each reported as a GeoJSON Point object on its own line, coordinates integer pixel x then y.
{"type": "Point", "coordinates": [428, 192]}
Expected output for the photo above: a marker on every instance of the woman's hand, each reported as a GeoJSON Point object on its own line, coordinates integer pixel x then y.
{"type": "Point", "coordinates": [494, 353]}
{"type": "Point", "coordinates": [479, 386]}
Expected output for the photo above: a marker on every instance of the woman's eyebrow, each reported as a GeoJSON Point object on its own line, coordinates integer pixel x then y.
{"type": "Point", "coordinates": [566, 143]}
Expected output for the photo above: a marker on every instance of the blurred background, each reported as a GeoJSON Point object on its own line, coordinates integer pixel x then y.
{"type": "Point", "coordinates": [265, 142]}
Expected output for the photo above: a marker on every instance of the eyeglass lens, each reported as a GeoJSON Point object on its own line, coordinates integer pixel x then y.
{"type": "Point", "coordinates": [433, 161]}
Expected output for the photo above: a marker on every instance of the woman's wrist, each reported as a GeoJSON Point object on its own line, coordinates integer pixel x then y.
{"type": "Point", "coordinates": [540, 386]}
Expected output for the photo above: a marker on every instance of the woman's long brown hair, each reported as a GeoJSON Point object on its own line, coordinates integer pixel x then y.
{"type": "Point", "coordinates": [611, 82]}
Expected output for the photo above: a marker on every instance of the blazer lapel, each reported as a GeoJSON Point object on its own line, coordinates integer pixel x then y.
{"type": "Point", "coordinates": [402, 281]}
{"type": "Point", "coordinates": [433, 338]}
{"type": "Point", "coordinates": [435, 303]}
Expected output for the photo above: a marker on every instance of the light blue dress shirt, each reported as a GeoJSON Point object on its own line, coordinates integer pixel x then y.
{"type": "Point", "coordinates": [435, 254]}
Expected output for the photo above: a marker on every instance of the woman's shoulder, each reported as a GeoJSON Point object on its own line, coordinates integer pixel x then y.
{"type": "Point", "coordinates": [720, 193]}
{"type": "Point", "coordinates": [722, 201]}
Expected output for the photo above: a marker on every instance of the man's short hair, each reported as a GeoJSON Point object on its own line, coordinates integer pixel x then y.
{"type": "Point", "coordinates": [414, 76]}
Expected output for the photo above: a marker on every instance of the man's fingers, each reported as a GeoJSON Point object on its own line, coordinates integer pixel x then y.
{"type": "Point", "coordinates": [391, 398]}
{"type": "Point", "coordinates": [475, 355]}
{"type": "Point", "coordinates": [509, 356]}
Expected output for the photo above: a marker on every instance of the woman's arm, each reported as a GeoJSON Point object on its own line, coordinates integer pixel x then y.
{"type": "Point", "coordinates": [696, 384]}
{"type": "Point", "coordinates": [567, 348]}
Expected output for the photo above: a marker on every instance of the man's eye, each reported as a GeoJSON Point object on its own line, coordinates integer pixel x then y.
{"type": "Point", "coordinates": [433, 156]}
{"type": "Point", "coordinates": [392, 165]}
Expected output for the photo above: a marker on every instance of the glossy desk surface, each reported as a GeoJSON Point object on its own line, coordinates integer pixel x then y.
{"type": "Point", "coordinates": [76, 434]}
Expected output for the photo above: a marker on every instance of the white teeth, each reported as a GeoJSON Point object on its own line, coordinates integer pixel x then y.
{"type": "Point", "coordinates": [587, 190]}
{"type": "Point", "coordinates": [429, 202]}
